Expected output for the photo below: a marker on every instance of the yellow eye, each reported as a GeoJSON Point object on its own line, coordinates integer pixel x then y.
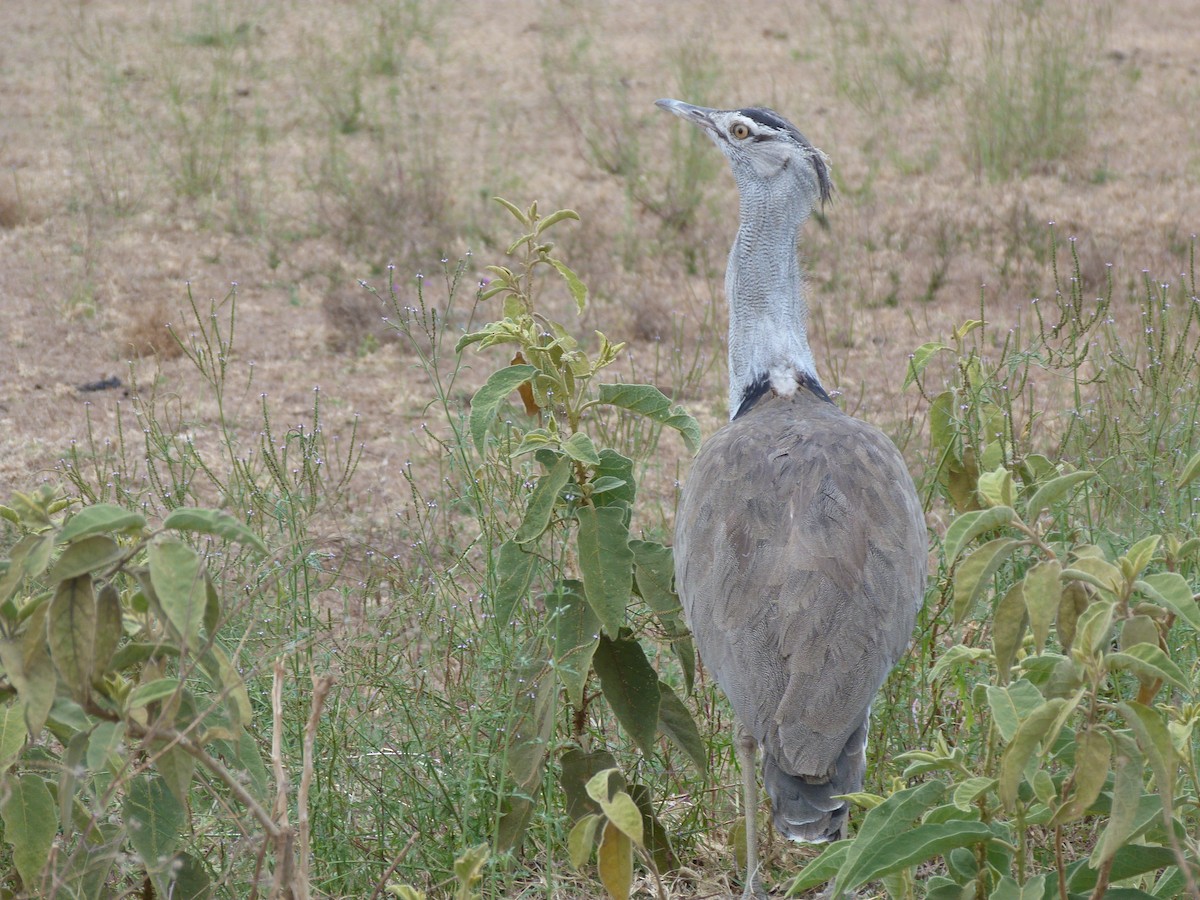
{"type": "Point", "coordinates": [740, 130]}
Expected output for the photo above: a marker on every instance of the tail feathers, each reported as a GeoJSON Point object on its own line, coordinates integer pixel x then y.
{"type": "Point", "coordinates": [803, 805]}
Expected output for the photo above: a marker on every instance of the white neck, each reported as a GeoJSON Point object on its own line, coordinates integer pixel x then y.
{"type": "Point", "coordinates": [768, 313]}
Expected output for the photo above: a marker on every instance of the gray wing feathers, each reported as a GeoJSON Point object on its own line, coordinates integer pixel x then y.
{"type": "Point", "coordinates": [800, 560]}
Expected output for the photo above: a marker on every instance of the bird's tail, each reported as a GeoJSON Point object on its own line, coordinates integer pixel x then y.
{"type": "Point", "coordinates": [804, 806]}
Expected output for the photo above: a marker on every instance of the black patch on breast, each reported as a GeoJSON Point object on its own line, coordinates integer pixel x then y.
{"type": "Point", "coordinates": [761, 387]}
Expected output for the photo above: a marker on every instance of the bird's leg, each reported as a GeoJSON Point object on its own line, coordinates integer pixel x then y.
{"type": "Point", "coordinates": [747, 747]}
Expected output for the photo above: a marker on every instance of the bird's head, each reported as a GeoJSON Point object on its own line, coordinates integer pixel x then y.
{"type": "Point", "coordinates": [763, 148]}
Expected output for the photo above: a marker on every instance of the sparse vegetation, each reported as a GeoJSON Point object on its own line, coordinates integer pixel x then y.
{"type": "Point", "coordinates": [1041, 738]}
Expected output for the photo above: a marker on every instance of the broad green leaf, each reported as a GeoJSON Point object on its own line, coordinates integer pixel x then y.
{"type": "Point", "coordinates": [1008, 889]}
{"type": "Point", "coordinates": [1097, 572]}
{"type": "Point", "coordinates": [1138, 629]}
{"type": "Point", "coordinates": [578, 289]}
{"type": "Point", "coordinates": [1172, 591]}
{"type": "Point", "coordinates": [215, 522]}
{"type": "Point", "coordinates": [581, 840]}
{"type": "Point", "coordinates": [576, 770]}
{"type": "Point", "coordinates": [677, 724]}
{"type": "Point", "coordinates": [970, 525]}
{"type": "Point", "coordinates": [553, 219]}
{"type": "Point", "coordinates": [12, 733]}
{"type": "Point", "coordinates": [630, 686]}
{"type": "Point", "coordinates": [1091, 631]}
{"type": "Point", "coordinates": [581, 449]}
{"type": "Point", "coordinates": [540, 506]}
{"type": "Point", "coordinates": [943, 433]}
{"type": "Point", "coordinates": [488, 398]}
{"type": "Point", "coordinates": [1052, 491]}
{"type": "Point", "coordinates": [515, 567]}
{"type": "Point", "coordinates": [28, 558]}
{"type": "Point", "coordinates": [956, 657]}
{"type": "Point", "coordinates": [101, 518]}
{"type": "Point", "coordinates": [996, 487]}
{"type": "Point", "coordinates": [619, 468]}
{"type": "Point", "coordinates": [655, 838]}
{"type": "Point", "coordinates": [1012, 705]}
{"type": "Point", "coordinates": [185, 878]}
{"type": "Point", "coordinates": [156, 821]}
{"type": "Point", "coordinates": [145, 694]}
{"type": "Point", "coordinates": [907, 847]}
{"type": "Point", "coordinates": [576, 636]}
{"type": "Point", "coordinates": [1149, 661]}
{"type": "Point", "coordinates": [71, 632]}
{"type": "Point", "coordinates": [894, 816]}
{"type": "Point", "coordinates": [919, 359]}
{"type": "Point", "coordinates": [1129, 861]}
{"type": "Point", "coordinates": [28, 668]}
{"type": "Point", "coordinates": [1093, 753]}
{"type": "Point", "coordinates": [1038, 728]}
{"type": "Point", "coordinates": [654, 576]}
{"type": "Point", "coordinates": [71, 772]}
{"type": "Point", "coordinates": [1074, 601]}
{"type": "Point", "coordinates": [30, 824]}
{"type": "Point", "coordinates": [1127, 792]}
{"type": "Point", "coordinates": [1139, 556]}
{"type": "Point", "coordinates": [177, 767]}
{"type": "Point", "coordinates": [973, 575]}
{"type": "Point", "coordinates": [176, 573]}
{"type": "Point", "coordinates": [652, 403]}
{"type": "Point", "coordinates": [822, 869]}
{"type": "Point", "coordinates": [606, 563]}
{"type": "Point", "coordinates": [109, 627]}
{"type": "Point", "coordinates": [1155, 741]}
{"type": "Point", "coordinates": [85, 555]}
{"type": "Point", "coordinates": [1191, 470]}
{"type": "Point", "coordinates": [532, 720]}
{"type": "Point", "coordinates": [1008, 629]}
{"type": "Point", "coordinates": [1043, 595]}
{"type": "Point", "coordinates": [615, 862]}
{"type": "Point", "coordinates": [970, 790]}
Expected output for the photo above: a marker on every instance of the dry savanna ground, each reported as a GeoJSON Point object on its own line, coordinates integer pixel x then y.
{"type": "Point", "coordinates": [155, 155]}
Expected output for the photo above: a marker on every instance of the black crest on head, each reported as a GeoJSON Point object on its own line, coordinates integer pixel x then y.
{"type": "Point", "coordinates": [772, 119]}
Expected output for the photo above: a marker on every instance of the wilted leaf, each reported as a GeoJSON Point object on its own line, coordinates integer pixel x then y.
{"type": "Point", "coordinates": [215, 522]}
{"type": "Point", "coordinates": [488, 398]}
{"type": "Point", "coordinates": [606, 563]}
{"type": "Point", "coordinates": [578, 288]}
{"type": "Point", "coordinates": [630, 686]}
{"type": "Point", "coordinates": [108, 627]}
{"type": "Point", "coordinates": [1043, 596]}
{"type": "Point", "coordinates": [30, 824]}
{"type": "Point", "coordinates": [655, 837]}
{"type": "Point", "coordinates": [1072, 604]}
{"type": "Point", "coordinates": [615, 862]}
{"type": "Point", "coordinates": [101, 518]}
{"type": "Point", "coordinates": [531, 723]}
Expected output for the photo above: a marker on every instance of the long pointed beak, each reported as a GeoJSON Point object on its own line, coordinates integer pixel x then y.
{"type": "Point", "coordinates": [697, 114]}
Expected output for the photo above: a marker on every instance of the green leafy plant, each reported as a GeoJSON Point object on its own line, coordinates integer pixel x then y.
{"type": "Point", "coordinates": [119, 700]}
{"type": "Point", "coordinates": [572, 537]}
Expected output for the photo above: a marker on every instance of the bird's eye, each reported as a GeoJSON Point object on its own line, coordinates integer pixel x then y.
{"type": "Point", "coordinates": [740, 130]}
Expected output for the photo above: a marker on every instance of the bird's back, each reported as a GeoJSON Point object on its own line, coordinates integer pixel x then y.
{"type": "Point", "coordinates": [800, 558]}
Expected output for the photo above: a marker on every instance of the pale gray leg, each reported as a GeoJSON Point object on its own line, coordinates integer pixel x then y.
{"type": "Point", "coordinates": [746, 749]}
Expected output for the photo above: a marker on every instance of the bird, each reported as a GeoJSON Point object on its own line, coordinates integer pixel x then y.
{"type": "Point", "coordinates": [800, 544]}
